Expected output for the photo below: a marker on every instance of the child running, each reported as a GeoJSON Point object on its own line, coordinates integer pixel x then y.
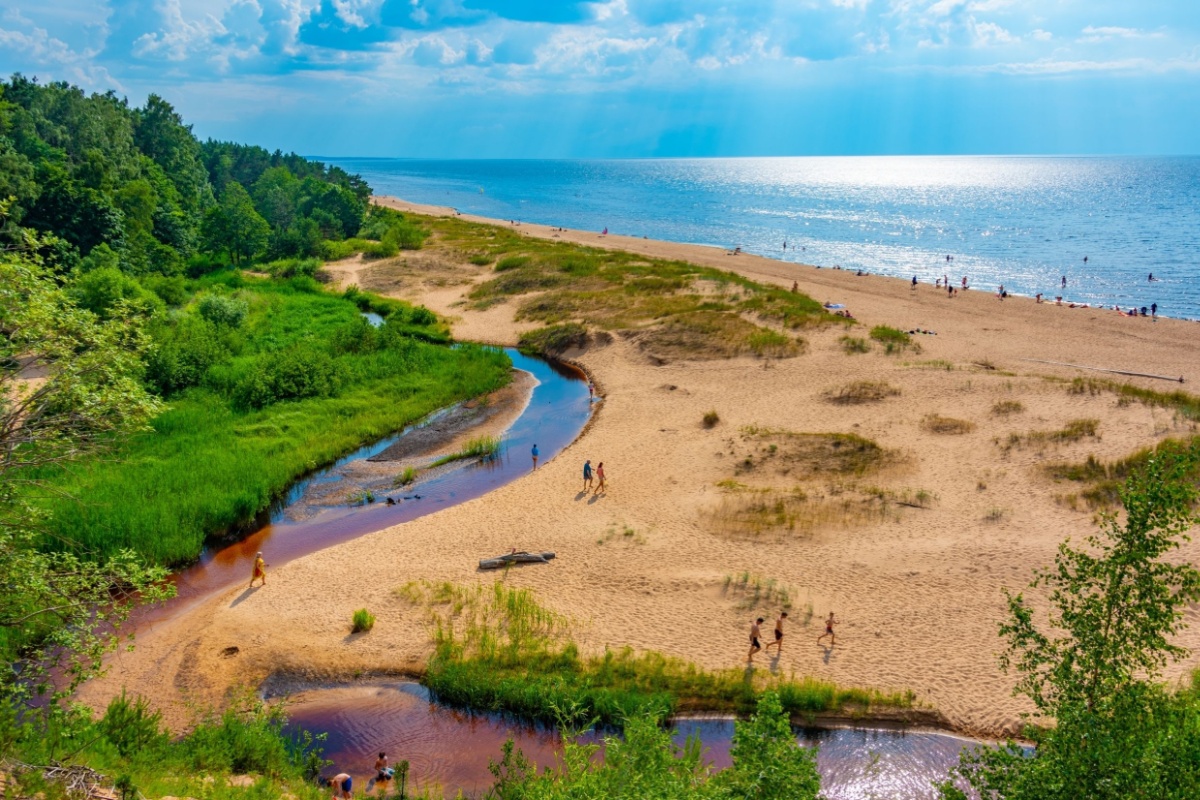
{"type": "Point", "coordinates": [829, 623]}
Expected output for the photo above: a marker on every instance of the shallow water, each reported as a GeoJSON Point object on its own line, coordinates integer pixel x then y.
{"type": "Point", "coordinates": [556, 414]}
{"type": "Point", "coordinates": [451, 749]}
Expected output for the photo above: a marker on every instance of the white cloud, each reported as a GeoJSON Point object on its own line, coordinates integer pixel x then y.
{"type": "Point", "coordinates": [1039, 35]}
{"type": "Point", "coordinates": [1104, 33]}
{"type": "Point", "coordinates": [986, 34]}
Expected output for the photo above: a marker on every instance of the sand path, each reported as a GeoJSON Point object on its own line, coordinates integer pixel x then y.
{"type": "Point", "coordinates": [919, 594]}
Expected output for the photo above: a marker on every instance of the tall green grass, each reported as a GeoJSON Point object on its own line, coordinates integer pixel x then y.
{"type": "Point", "coordinates": [498, 649]}
{"type": "Point", "coordinates": [211, 465]}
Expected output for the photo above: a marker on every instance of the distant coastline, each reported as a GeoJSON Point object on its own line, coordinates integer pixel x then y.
{"type": "Point", "coordinates": [1023, 223]}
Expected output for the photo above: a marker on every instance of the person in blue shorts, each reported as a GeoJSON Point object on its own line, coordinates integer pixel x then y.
{"type": "Point", "coordinates": [534, 453]}
{"type": "Point", "coordinates": [342, 784]}
{"type": "Point", "coordinates": [587, 475]}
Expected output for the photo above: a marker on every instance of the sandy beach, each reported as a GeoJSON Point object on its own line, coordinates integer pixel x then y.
{"type": "Point", "coordinates": [918, 590]}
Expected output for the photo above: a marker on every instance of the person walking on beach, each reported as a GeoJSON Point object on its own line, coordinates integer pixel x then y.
{"type": "Point", "coordinates": [587, 475]}
{"type": "Point", "coordinates": [778, 633]}
{"type": "Point", "coordinates": [600, 478]}
{"type": "Point", "coordinates": [591, 390]}
{"type": "Point", "coordinates": [964, 282]}
{"type": "Point", "coordinates": [914, 283]}
{"type": "Point", "coordinates": [534, 453]}
{"type": "Point", "coordinates": [1064, 281]}
{"type": "Point", "coordinates": [829, 623]}
{"type": "Point", "coordinates": [755, 645]}
{"type": "Point", "coordinates": [260, 570]}
{"type": "Point", "coordinates": [1154, 311]}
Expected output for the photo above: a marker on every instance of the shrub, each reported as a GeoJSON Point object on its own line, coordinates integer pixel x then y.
{"type": "Point", "coordinates": [407, 476]}
{"type": "Point", "coordinates": [171, 290]}
{"type": "Point", "coordinates": [182, 354]}
{"type": "Point", "coordinates": [102, 289]}
{"type": "Point", "coordinates": [300, 371]}
{"type": "Point", "coordinates": [710, 419]}
{"type": "Point", "coordinates": [363, 621]}
{"type": "Point", "coordinates": [893, 340]}
{"type": "Point", "coordinates": [291, 267]}
{"type": "Point", "coordinates": [554, 340]}
{"type": "Point", "coordinates": [222, 310]}
{"type": "Point", "coordinates": [131, 726]}
{"type": "Point", "coordinates": [481, 260]}
{"type": "Point", "coordinates": [854, 344]}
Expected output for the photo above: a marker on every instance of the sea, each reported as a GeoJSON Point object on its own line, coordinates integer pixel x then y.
{"type": "Point", "coordinates": [1121, 231]}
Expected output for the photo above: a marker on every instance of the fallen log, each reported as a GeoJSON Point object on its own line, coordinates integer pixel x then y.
{"type": "Point", "coordinates": [499, 562]}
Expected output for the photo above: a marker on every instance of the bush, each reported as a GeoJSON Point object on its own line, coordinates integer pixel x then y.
{"type": "Point", "coordinates": [102, 289]}
{"type": "Point", "coordinates": [554, 340]}
{"type": "Point", "coordinates": [298, 372]}
{"type": "Point", "coordinates": [221, 310]}
{"type": "Point", "coordinates": [710, 419]}
{"type": "Point", "coordinates": [131, 727]}
{"type": "Point", "coordinates": [854, 344]}
{"type": "Point", "coordinates": [183, 354]}
{"type": "Point", "coordinates": [893, 340]}
{"type": "Point", "coordinates": [511, 262]}
{"type": "Point", "coordinates": [363, 621]}
{"type": "Point", "coordinates": [171, 290]}
{"type": "Point", "coordinates": [291, 267]}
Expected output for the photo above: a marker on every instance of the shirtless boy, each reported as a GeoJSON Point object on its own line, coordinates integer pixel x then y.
{"type": "Point", "coordinates": [755, 646]}
{"type": "Point", "coordinates": [778, 633]}
{"type": "Point", "coordinates": [829, 623]}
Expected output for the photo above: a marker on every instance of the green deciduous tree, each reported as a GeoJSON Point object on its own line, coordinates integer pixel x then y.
{"type": "Point", "coordinates": [1092, 666]}
{"type": "Point", "coordinates": [69, 385]}
{"type": "Point", "coordinates": [235, 227]}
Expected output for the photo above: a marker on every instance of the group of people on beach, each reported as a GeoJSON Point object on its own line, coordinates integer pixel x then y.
{"type": "Point", "coordinates": [756, 635]}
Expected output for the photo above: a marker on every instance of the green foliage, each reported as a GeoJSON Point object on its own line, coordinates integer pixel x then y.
{"type": "Point", "coordinates": [221, 310]}
{"type": "Point", "coordinates": [554, 340]}
{"type": "Point", "coordinates": [644, 763]}
{"type": "Point", "coordinates": [710, 419]}
{"type": "Point", "coordinates": [498, 649]}
{"type": "Point", "coordinates": [1117, 606]}
{"type": "Point", "coordinates": [235, 227]}
{"type": "Point", "coordinates": [854, 344]}
{"type": "Point", "coordinates": [484, 448]}
{"type": "Point", "coordinates": [102, 290]}
{"type": "Point", "coordinates": [131, 725]}
{"type": "Point", "coordinates": [60, 611]}
{"type": "Point", "coordinates": [893, 340]}
{"type": "Point", "coordinates": [254, 409]}
{"type": "Point", "coordinates": [362, 621]}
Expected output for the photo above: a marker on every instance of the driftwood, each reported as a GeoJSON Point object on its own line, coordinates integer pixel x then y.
{"type": "Point", "coordinates": [499, 562]}
{"type": "Point", "coordinates": [1110, 371]}
{"type": "Point", "coordinates": [75, 779]}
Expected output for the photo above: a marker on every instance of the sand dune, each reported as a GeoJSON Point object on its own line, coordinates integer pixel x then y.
{"type": "Point", "coordinates": [919, 593]}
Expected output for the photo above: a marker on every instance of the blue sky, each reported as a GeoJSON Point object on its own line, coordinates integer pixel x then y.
{"type": "Point", "coordinates": [638, 78]}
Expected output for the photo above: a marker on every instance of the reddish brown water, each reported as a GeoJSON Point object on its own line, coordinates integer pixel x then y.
{"type": "Point", "coordinates": [449, 750]}
{"type": "Point", "coordinates": [558, 409]}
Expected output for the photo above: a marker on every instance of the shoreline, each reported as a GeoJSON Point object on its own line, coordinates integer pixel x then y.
{"type": "Point", "coordinates": [919, 590]}
{"type": "Point", "coordinates": [700, 253]}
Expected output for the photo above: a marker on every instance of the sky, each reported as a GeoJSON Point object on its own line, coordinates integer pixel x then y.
{"type": "Point", "coordinates": [638, 78]}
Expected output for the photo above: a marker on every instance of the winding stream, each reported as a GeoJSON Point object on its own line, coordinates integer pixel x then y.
{"type": "Point", "coordinates": [450, 749]}
{"type": "Point", "coordinates": [557, 412]}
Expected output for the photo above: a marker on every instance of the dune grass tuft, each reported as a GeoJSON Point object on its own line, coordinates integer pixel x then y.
{"type": "Point", "coordinates": [859, 392]}
{"type": "Point", "coordinates": [935, 423]}
{"type": "Point", "coordinates": [710, 419]}
{"type": "Point", "coordinates": [362, 621]}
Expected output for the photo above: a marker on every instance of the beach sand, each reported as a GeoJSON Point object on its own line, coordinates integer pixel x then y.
{"type": "Point", "coordinates": [919, 593]}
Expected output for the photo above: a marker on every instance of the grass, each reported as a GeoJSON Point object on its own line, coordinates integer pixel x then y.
{"type": "Point", "coordinates": [678, 309]}
{"type": "Point", "coordinates": [1102, 481]}
{"type": "Point", "coordinates": [1074, 431]}
{"type": "Point", "coordinates": [852, 345]}
{"type": "Point", "coordinates": [859, 392]}
{"type": "Point", "coordinates": [1186, 405]}
{"type": "Point", "coordinates": [773, 515]}
{"type": "Point", "coordinates": [752, 592]}
{"type": "Point", "coordinates": [710, 419]}
{"type": "Point", "coordinates": [1004, 408]}
{"type": "Point", "coordinates": [407, 476]}
{"type": "Point", "coordinates": [806, 455]}
{"type": "Point", "coordinates": [483, 448]}
{"type": "Point", "coordinates": [498, 649]}
{"type": "Point", "coordinates": [995, 514]}
{"type": "Point", "coordinates": [935, 423]}
{"type": "Point", "coordinates": [553, 340]}
{"type": "Point", "coordinates": [208, 467]}
{"type": "Point", "coordinates": [362, 621]}
{"type": "Point", "coordinates": [894, 341]}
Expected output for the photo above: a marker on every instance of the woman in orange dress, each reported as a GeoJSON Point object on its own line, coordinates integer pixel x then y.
{"type": "Point", "coordinates": [260, 570]}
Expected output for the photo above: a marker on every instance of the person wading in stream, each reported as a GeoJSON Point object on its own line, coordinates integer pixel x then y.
{"type": "Point", "coordinates": [260, 570]}
{"type": "Point", "coordinates": [534, 453]}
